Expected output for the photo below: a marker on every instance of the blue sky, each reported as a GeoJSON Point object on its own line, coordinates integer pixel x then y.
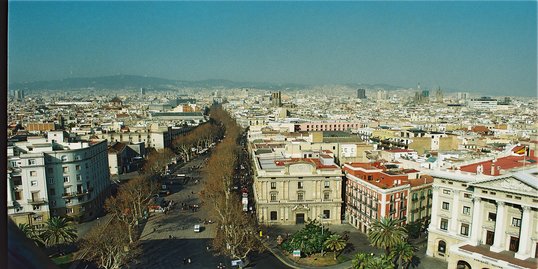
{"type": "Point", "coordinates": [487, 47]}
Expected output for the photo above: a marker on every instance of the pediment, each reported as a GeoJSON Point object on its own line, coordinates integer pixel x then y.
{"type": "Point", "coordinates": [509, 184]}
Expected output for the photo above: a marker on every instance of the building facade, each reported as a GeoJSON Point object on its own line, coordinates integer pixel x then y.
{"type": "Point", "coordinates": [374, 191]}
{"type": "Point", "coordinates": [295, 190]}
{"type": "Point", "coordinates": [483, 221]}
{"type": "Point", "coordinates": [48, 177]}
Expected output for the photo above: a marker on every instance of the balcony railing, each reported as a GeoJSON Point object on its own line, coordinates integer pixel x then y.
{"type": "Point", "coordinates": [75, 194]}
{"type": "Point", "coordinates": [37, 201]}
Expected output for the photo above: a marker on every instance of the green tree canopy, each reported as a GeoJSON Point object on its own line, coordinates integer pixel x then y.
{"type": "Point", "coordinates": [309, 239]}
{"type": "Point", "coordinates": [386, 233]}
{"type": "Point", "coordinates": [335, 243]}
{"type": "Point", "coordinates": [57, 230]}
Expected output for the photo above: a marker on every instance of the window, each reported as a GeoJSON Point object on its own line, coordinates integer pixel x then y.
{"type": "Point", "coordinates": [77, 157]}
{"type": "Point", "coordinates": [273, 215]}
{"type": "Point", "coordinates": [33, 173]}
{"type": "Point", "coordinates": [492, 216]}
{"type": "Point", "coordinates": [66, 179]}
{"type": "Point", "coordinates": [52, 203]}
{"type": "Point", "coordinates": [446, 191]}
{"type": "Point", "coordinates": [17, 181]}
{"type": "Point", "coordinates": [326, 214]}
{"type": "Point", "coordinates": [446, 205]}
{"type": "Point", "coordinates": [18, 195]}
{"type": "Point", "coordinates": [464, 229]}
{"type": "Point", "coordinates": [79, 177]}
{"type": "Point", "coordinates": [273, 185]}
{"type": "Point", "coordinates": [415, 196]}
{"type": "Point", "coordinates": [50, 180]}
{"type": "Point", "coordinates": [273, 197]}
{"type": "Point", "coordinates": [327, 184]}
{"type": "Point", "coordinates": [63, 158]}
{"type": "Point", "coordinates": [299, 185]}
{"type": "Point", "coordinates": [65, 169]}
{"type": "Point", "coordinates": [516, 222]}
{"type": "Point", "coordinates": [300, 196]}
{"type": "Point", "coordinates": [31, 162]}
{"type": "Point", "coordinates": [326, 195]}
{"type": "Point", "coordinates": [50, 170]}
{"type": "Point", "coordinates": [37, 207]}
{"type": "Point", "coordinates": [466, 210]}
{"type": "Point", "coordinates": [77, 167]}
{"type": "Point", "coordinates": [33, 183]}
{"type": "Point", "coordinates": [69, 210]}
{"type": "Point", "coordinates": [467, 195]}
{"type": "Point", "coordinates": [444, 224]}
{"type": "Point", "coordinates": [52, 191]}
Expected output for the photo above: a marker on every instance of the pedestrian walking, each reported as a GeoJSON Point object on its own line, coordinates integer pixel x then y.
{"type": "Point", "coordinates": [184, 260]}
{"type": "Point", "coordinates": [189, 260]}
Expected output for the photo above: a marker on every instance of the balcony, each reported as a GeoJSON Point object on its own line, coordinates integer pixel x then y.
{"type": "Point", "coordinates": [74, 194]}
{"type": "Point", "coordinates": [37, 201]}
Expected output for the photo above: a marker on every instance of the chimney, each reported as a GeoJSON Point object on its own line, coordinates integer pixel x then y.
{"type": "Point", "coordinates": [492, 168]}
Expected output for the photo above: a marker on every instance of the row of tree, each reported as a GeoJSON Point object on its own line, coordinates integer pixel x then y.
{"type": "Point", "coordinates": [197, 139]}
{"type": "Point", "coordinates": [114, 244]}
{"type": "Point", "coordinates": [236, 230]}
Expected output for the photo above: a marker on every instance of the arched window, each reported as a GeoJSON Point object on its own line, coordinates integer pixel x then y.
{"type": "Point", "coordinates": [441, 248]}
{"type": "Point", "coordinates": [463, 265]}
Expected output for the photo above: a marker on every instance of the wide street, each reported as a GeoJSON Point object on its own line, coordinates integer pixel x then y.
{"type": "Point", "coordinates": [169, 238]}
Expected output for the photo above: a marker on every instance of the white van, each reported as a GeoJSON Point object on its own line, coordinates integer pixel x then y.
{"type": "Point", "coordinates": [197, 228]}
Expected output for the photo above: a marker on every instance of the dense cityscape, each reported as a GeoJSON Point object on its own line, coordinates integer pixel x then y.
{"type": "Point", "coordinates": [451, 176]}
{"type": "Point", "coordinates": [285, 134]}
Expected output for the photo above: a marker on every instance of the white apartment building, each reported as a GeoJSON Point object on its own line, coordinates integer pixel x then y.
{"type": "Point", "coordinates": [485, 222]}
{"type": "Point", "coordinates": [294, 190]}
{"type": "Point", "coordinates": [49, 177]}
{"type": "Point", "coordinates": [482, 103]}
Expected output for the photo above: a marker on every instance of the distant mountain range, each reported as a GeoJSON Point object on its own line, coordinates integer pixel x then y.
{"type": "Point", "coordinates": [136, 82]}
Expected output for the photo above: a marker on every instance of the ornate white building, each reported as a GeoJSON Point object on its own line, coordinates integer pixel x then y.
{"type": "Point", "coordinates": [294, 190]}
{"type": "Point", "coordinates": [481, 221]}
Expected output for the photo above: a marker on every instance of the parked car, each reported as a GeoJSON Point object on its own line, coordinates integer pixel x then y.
{"type": "Point", "coordinates": [197, 228]}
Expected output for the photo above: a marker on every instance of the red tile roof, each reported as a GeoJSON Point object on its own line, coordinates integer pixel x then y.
{"type": "Point", "coordinates": [505, 163]}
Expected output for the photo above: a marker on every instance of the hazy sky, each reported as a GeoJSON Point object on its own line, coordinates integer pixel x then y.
{"type": "Point", "coordinates": [477, 46]}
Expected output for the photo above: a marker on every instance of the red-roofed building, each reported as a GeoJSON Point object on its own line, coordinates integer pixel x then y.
{"type": "Point", "coordinates": [376, 190]}
{"type": "Point", "coordinates": [502, 165]}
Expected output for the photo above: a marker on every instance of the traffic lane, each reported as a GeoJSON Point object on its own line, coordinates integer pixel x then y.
{"type": "Point", "coordinates": [170, 253]}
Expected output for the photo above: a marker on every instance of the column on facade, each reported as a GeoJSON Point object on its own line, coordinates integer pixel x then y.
{"type": "Point", "coordinates": [476, 226]}
{"type": "Point", "coordinates": [524, 239]}
{"type": "Point", "coordinates": [498, 242]}
{"type": "Point", "coordinates": [455, 212]}
{"type": "Point", "coordinates": [435, 208]}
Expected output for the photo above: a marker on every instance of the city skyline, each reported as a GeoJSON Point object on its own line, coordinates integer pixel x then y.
{"type": "Point", "coordinates": [475, 46]}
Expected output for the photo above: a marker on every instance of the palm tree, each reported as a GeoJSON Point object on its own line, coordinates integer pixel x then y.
{"type": "Point", "coordinates": [58, 231]}
{"type": "Point", "coordinates": [361, 260]}
{"type": "Point", "coordinates": [379, 262]}
{"type": "Point", "coordinates": [404, 253]}
{"type": "Point", "coordinates": [31, 233]}
{"type": "Point", "coordinates": [335, 243]}
{"type": "Point", "coordinates": [386, 233]}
